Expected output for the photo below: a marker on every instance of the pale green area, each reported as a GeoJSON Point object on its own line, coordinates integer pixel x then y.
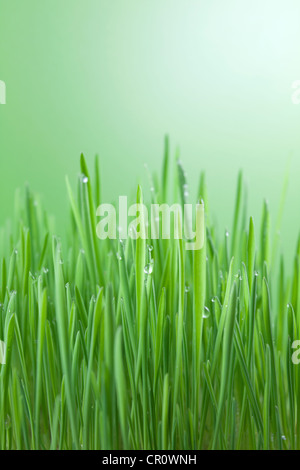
{"type": "Point", "coordinates": [112, 77]}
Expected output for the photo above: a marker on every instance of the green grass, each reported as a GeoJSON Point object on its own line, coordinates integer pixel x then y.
{"type": "Point", "coordinates": [105, 353]}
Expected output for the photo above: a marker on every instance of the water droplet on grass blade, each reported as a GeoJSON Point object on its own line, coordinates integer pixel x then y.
{"type": "Point", "coordinates": [148, 269]}
{"type": "Point", "coordinates": [84, 179]}
{"type": "Point", "coordinates": [206, 313]}
{"type": "Point", "coordinates": [7, 422]}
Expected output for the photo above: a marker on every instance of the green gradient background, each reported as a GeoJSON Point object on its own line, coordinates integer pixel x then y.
{"type": "Point", "coordinates": [113, 76]}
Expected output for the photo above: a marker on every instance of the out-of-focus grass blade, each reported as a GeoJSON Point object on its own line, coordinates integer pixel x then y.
{"type": "Point", "coordinates": [121, 385]}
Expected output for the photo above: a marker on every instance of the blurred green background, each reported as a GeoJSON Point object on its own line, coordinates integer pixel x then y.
{"type": "Point", "coordinates": [113, 76]}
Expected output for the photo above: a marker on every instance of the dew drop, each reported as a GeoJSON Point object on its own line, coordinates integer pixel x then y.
{"type": "Point", "coordinates": [283, 438]}
{"type": "Point", "coordinates": [85, 179]}
{"type": "Point", "coordinates": [187, 288]}
{"type": "Point", "coordinates": [119, 256]}
{"type": "Point", "coordinates": [206, 312]}
{"type": "Point", "coordinates": [7, 422]}
{"type": "Point", "coordinates": [148, 269]}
